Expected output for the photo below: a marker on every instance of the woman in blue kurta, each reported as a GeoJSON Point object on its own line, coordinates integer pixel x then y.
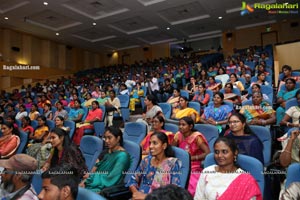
{"type": "Point", "coordinates": [248, 143]}
{"type": "Point", "coordinates": [217, 113]}
{"type": "Point", "coordinates": [283, 96]}
{"type": "Point", "coordinates": [112, 162]}
{"type": "Point", "coordinates": [158, 169]}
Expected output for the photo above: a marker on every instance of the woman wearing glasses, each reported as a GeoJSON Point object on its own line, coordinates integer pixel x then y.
{"type": "Point", "coordinates": [248, 143]}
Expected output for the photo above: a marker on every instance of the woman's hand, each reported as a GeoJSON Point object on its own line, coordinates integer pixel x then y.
{"type": "Point", "coordinates": [81, 184]}
{"type": "Point", "coordinates": [138, 195]}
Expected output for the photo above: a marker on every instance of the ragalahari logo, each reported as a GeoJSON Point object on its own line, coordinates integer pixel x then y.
{"type": "Point", "coordinates": [246, 8]}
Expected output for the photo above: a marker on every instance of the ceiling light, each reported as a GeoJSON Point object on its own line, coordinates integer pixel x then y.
{"type": "Point", "coordinates": [45, 3]}
{"type": "Point", "coordinates": [57, 34]}
{"type": "Point", "coordinates": [6, 18]}
{"type": "Point", "coordinates": [220, 17]}
{"type": "Point", "coordinates": [94, 24]}
{"type": "Point", "coordinates": [168, 28]}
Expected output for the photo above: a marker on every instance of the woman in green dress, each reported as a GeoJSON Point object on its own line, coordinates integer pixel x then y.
{"type": "Point", "coordinates": [111, 164]}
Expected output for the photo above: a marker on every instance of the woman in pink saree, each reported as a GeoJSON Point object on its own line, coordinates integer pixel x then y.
{"type": "Point", "coordinates": [226, 180]}
{"type": "Point", "coordinates": [195, 144]}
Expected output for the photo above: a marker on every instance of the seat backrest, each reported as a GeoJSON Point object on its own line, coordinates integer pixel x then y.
{"type": "Point", "coordinates": [293, 174]}
{"type": "Point", "coordinates": [85, 112]}
{"type": "Point", "coordinates": [167, 109]}
{"type": "Point", "coordinates": [91, 147]}
{"type": "Point", "coordinates": [264, 136]}
{"type": "Point", "coordinates": [135, 153]}
{"type": "Point", "coordinates": [99, 128]}
{"type": "Point", "coordinates": [194, 105]}
{"type": "Point", "coordinates": [102, 107]}
{"type": "Point", "coordinates": [184, 93]}
{"type": "Point", "coordinates": [23, 141]}
{"type": "Point", "coordinates": [37, 182]}
{"type": "Point", "coordinates": [71, 125]}
{"type": "Point", "coordinates": [19, 123]}
{"type": "Point", "coordinates": [291, 102]}
{"type": "Point", "coordinates": [210, 132]}
{"type": "Point", "coordinates": [50, 124]}
{"type": "Point", "coordinates": [171, 127]}
{"type": "Point", "coordinates": [211, 94]}
{"type": "Point", "coordinates": [34, 124]}
{"type": "Point", "coordinates": [247, 163]}
{"type": "Point", "coordinates": [124, 100]}
{"type": "Point", "coordinates": [135, 131]}
{"type": "Point", "coordinates": [186, 165]}
{"type": "Point", "coordinates": [88, 195]}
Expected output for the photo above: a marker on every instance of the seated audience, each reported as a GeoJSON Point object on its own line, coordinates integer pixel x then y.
{"type": "Point", "coordinates": [195, 144]}
{"type": "Point", "coordinates": [254, 88]}
{"type": "Point", "coordinates": [94, 115]}
{"type": "Point", "coordinates": [17, 176]}
{"type": "Point", "coordinates": [165, 91]}
{"type": "Point", "coordinates": [88, 101]}
{"type": "Point", "coordinates": [260, 112]}
{"type": "Point", "coordinates": [111, 164]}
{"type": "Point", "coordinates": [22, 112]}
{"type": "Point", "coordinates": [158, 124]}
{"type": "Point", "coordinates": [247, 142]}
{"type": "Point", "coordinates": [185, 111]}
{"type": "Point", "coordinates": [41, 131]}
{"type": "Point", "coordinates": [226, 180]}
{"type": "Point", "coordinates": [112, 105]}
{"type": "Point", "coordinates": [191, 87]}
{"type": "Point", "coordinates": [64, 152]}
{"type": "Point", "coordinates": [151, 109]}
{"type": "Point", "coordinates": [60, 110]}
{"type": "Point", "coordinates": [201, 96]}
{"type": "Point", "coordinates": [261, 79]}
{"type": "Point", "coordinates": [230, 96]}
{"type": "Point", "coordinates": [283, 96]}
{"type": "Point", "coordinates": [161, 158]}
{"type": "Point", "coordinates": [76, 113]}
{"type": "Point", "coordinates": [26, 127]}
{"type": "Point", "coordinates": [216, 113]}
{"type": "Point", "coordinates": [235, 82]}
{"type": "Point", "coordinates": [9, 141]}
{"type": "Point", "coordinates": [34, 113]}
{"type": "Point", "coordinates": [47, 111]}
{"type": "Point", "coordinates": [290, 151]}
{"type": "Point", "coordinates": [174, 99]}
{"type": "Point", "coordinates": [60, 182]}
{"type": "Point", "coordinates": [135, 96]}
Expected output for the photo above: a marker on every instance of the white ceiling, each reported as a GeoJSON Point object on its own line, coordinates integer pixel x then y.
{"type": "Point", "coordinates": [122, 24]}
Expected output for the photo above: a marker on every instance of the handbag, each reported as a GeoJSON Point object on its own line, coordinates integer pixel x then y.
{"type": "Point", "coordinates": [116, 192]}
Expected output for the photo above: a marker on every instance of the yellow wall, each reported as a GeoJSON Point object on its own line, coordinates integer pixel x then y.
{"type": "Point", "coordinates": [244, 38]}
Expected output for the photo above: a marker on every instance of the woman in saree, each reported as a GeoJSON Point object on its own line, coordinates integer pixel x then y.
{"type": "Point", "coordinates": [158, 124]}
{"type": "Point", "coordinates": [111, 164]}
{"type": "Point", "coordinates": [260, 112]}
{"type": "Point", "coordinates": [217, 113]}
{"type": "Point", "coordinates": [94, 115]}
{"type": "Point", "coordinates": [185, 111]}
{"type": "Point", "coordinates": [226, 180]}
{"type": "Point", "coordinates": [174, 99]}
{"type": "Point", "coordinates": [195, 144]}
{"type": "Point", "coordinates": [147, 176]}
{"type": "Point", "coordinates": [9, 141]}
{"type": "Point", "coordinates": [283, 96]}
{"type": "Point", "coordinates": [135, 96]}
